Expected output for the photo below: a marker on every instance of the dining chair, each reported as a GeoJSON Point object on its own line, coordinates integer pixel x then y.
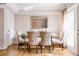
{"type": "Point", "coordinates": [33, 40]}
{"type": "Point", "coordinates": [45, 40]}
{"type": "Point", "coordinates": [59, 40]}
{"type": "Point", "coordinates": [21, 42]}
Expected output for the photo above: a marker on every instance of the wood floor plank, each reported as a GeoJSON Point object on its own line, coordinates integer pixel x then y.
{"type": "Point", "coordinates": [13, 51]}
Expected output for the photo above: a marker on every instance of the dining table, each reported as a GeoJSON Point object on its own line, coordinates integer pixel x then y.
{"type": "Point", "coordinates": [25, 38]}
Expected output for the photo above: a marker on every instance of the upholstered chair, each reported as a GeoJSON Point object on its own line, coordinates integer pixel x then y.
{"type": "Point", "coordinates": [59, 40]}
{"type": "Point", "coordinates": [33, 40]}
{"type": "Point", "coordinates": [21, 42]}
{"type": "Point", "coordinates": [45, 40]}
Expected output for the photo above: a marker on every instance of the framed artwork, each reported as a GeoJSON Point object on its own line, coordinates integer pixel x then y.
{"type": "Point", "coordinates": [39, 22]}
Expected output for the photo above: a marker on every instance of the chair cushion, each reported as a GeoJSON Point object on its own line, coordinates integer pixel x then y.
{"type": "Point", "coordinates": [39, 39]}
{"type": "Point", "coordinates": [20, 39]}
{"type": "Point", "coordinates": [57, 41]}
{"type": "Point", "coordinates": [34, 43]}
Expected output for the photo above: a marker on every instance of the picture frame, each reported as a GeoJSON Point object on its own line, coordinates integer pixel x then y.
{"type": "Point", "coordinates": [39, 22]}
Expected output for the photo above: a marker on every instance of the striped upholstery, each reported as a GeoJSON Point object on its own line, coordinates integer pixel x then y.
{"type": "Point", "coordinates": [59, 41]}
{"type": "Point", "coordinates": [33, 38]}
{"type": "Point", "coordinates": [21, 42]}
{"type": "Point", "coordinates": [45, 38]}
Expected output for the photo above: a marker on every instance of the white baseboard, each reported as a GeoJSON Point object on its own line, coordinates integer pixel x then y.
{"type": "Point", "coordinates": [72, 50]}
{"type": "Point", "coordinates": [2, 48]}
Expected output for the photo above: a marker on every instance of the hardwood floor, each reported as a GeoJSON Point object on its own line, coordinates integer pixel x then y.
{"type": "Point", "coordinates": [13, 51]}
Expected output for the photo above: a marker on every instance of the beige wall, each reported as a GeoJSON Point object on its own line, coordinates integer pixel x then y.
{"type": "Point", "coordinates": [77, 26]}
{"type": "Point", "coordinates": [23, 23]}
{"type": "Point", "coordinates": [7, 27]}
{"type": "Point", "coordinates": [54, 23]}
{"type": "Point", "coordinates": [1, 27]}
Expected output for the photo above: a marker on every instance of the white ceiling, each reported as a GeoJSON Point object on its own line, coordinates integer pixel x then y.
{"type": "Point", "coordinates": [42, 6]}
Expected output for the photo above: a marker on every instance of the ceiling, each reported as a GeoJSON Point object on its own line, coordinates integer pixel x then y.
{"type": "Point", "coordinates": [30, 7]}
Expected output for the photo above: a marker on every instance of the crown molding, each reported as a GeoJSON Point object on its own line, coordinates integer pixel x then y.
{"type": "Point", "coordinates": [13, 7]}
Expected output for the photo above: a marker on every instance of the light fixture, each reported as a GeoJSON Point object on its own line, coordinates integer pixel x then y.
{"type": "Point", "coordinates": [29, 8]}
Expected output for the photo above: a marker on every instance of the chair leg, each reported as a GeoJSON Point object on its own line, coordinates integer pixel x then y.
{"type": "Point", "coordinates": [49, 49]}
{"type": "Point", "coordinates": [25, 47]}
{"type": "Point", "coordinates": [59, 45]}
{"type": "Point", "coordinates": [29, 48]}
{"type": "Point", "coordinates": [21, 46]}
{"type": "Point", "coordinates": [53, 46]}
{"type": "Point", "coordinates": [41, 49]}
{"type": "Point", "coordinates": [62, 46]}
{"type": "Point", "coordinates": [18, 47]}
{"type": "Point", "coordinates": [36, 48]}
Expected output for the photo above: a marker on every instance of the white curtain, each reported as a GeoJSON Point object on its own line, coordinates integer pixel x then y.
{"type": "Point", "coordinates": [69, 28]}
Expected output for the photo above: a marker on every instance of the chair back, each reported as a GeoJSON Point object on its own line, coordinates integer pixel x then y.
{"type": "Point", "coordinates": [17, 36]}
{"type": "Point", "coordinates": [45, 38]}
{"type": "Point", "coordinates": [61, 35]}
{"type": "Point", "coordinates": [33, 38]}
